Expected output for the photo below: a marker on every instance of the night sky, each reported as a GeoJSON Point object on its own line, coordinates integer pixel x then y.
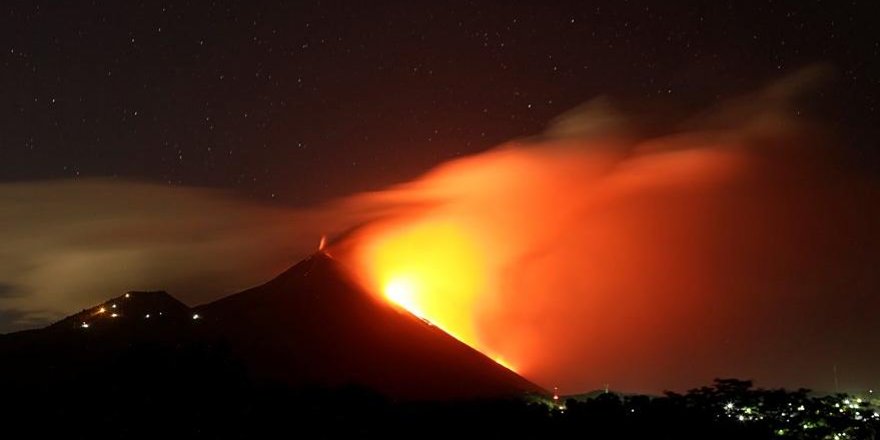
{"type": "Point", "coordinates": [303, 101]}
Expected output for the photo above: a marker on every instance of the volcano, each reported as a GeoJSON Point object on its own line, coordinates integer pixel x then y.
{"type": "Point", "coordinates": [312, 326]}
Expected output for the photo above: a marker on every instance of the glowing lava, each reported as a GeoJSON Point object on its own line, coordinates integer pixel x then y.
{"type": "Point", "coordinates": [435, 269]}
{"type": "Point", "coordinates": [432, 269]}
{"type": "Point", "coordinates": [402, 291]}
{"type": "Point", "coordinates": [500, 361]}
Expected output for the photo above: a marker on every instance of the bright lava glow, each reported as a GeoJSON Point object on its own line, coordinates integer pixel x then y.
{"type": "Point", "coordinates": [504, 364]}
{"type": "Point", "coordinates": [432, 269]}
{"type": "Point", "coordinates": [402, 291]}
{"type": "Point", "coordinates": [435, 270]}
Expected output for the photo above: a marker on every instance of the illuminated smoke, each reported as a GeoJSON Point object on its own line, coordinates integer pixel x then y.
{"type": "Point", "coordinates": [735, 244]}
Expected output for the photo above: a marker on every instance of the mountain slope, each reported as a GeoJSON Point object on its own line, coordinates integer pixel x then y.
{"type": "Point", "coordinates": [309, 327]}
{"type": "Point", "coordinates": [313, 325]}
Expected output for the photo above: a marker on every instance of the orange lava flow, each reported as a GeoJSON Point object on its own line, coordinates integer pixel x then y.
{"type": "Point", "coordinates": [432, 268]}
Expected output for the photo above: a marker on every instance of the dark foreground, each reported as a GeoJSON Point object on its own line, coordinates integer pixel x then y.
{"type": "Point", "coordinates": [206, 396]}
{"type": "Point", "coordinates": [191, 389]}
{"type": "Point", "coordinates": [310, 354]}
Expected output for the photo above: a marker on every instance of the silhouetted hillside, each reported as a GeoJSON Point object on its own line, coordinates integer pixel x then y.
{"type": "Point", "coordinates": [311, 354]}
{"type": "Point", "coordinates": [309, 332]}
{"type": "Point", "coordinates": [312, 326]}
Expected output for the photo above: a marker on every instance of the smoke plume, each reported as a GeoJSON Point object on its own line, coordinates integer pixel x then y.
{"type": "Point", "coordinates": [740, 241]}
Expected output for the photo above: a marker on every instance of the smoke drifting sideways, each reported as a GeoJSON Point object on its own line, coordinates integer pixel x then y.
{"type": "Point", "coordinates": [642, 250]}
{"type": "Point", "coordinates": [70, 244]}
{"type": "Point", "coordinates": [739, 242]}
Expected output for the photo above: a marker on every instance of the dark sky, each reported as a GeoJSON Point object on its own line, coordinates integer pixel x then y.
{"type": "Point", "coordinates": [303, 101]}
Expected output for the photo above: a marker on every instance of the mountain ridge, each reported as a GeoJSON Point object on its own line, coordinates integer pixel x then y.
{"type": "Point", "coordinates": [311, 325]}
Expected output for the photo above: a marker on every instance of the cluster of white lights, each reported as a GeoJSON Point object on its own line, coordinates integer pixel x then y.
{"type": "Point", "coordinates": [742, 414]}
{"type": "Point", "coordinates": [856, 409]}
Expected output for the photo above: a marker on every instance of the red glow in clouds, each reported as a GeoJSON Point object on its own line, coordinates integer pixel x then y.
{"type": "Point", "coordinates": [586, 257]}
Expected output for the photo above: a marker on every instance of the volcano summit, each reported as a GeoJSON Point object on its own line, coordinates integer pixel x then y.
{"type": "Point", "coordinates": [309, 328]}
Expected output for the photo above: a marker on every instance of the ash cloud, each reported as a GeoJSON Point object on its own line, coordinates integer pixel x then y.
{"type": "Point", "coordinates": [740, 241]}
